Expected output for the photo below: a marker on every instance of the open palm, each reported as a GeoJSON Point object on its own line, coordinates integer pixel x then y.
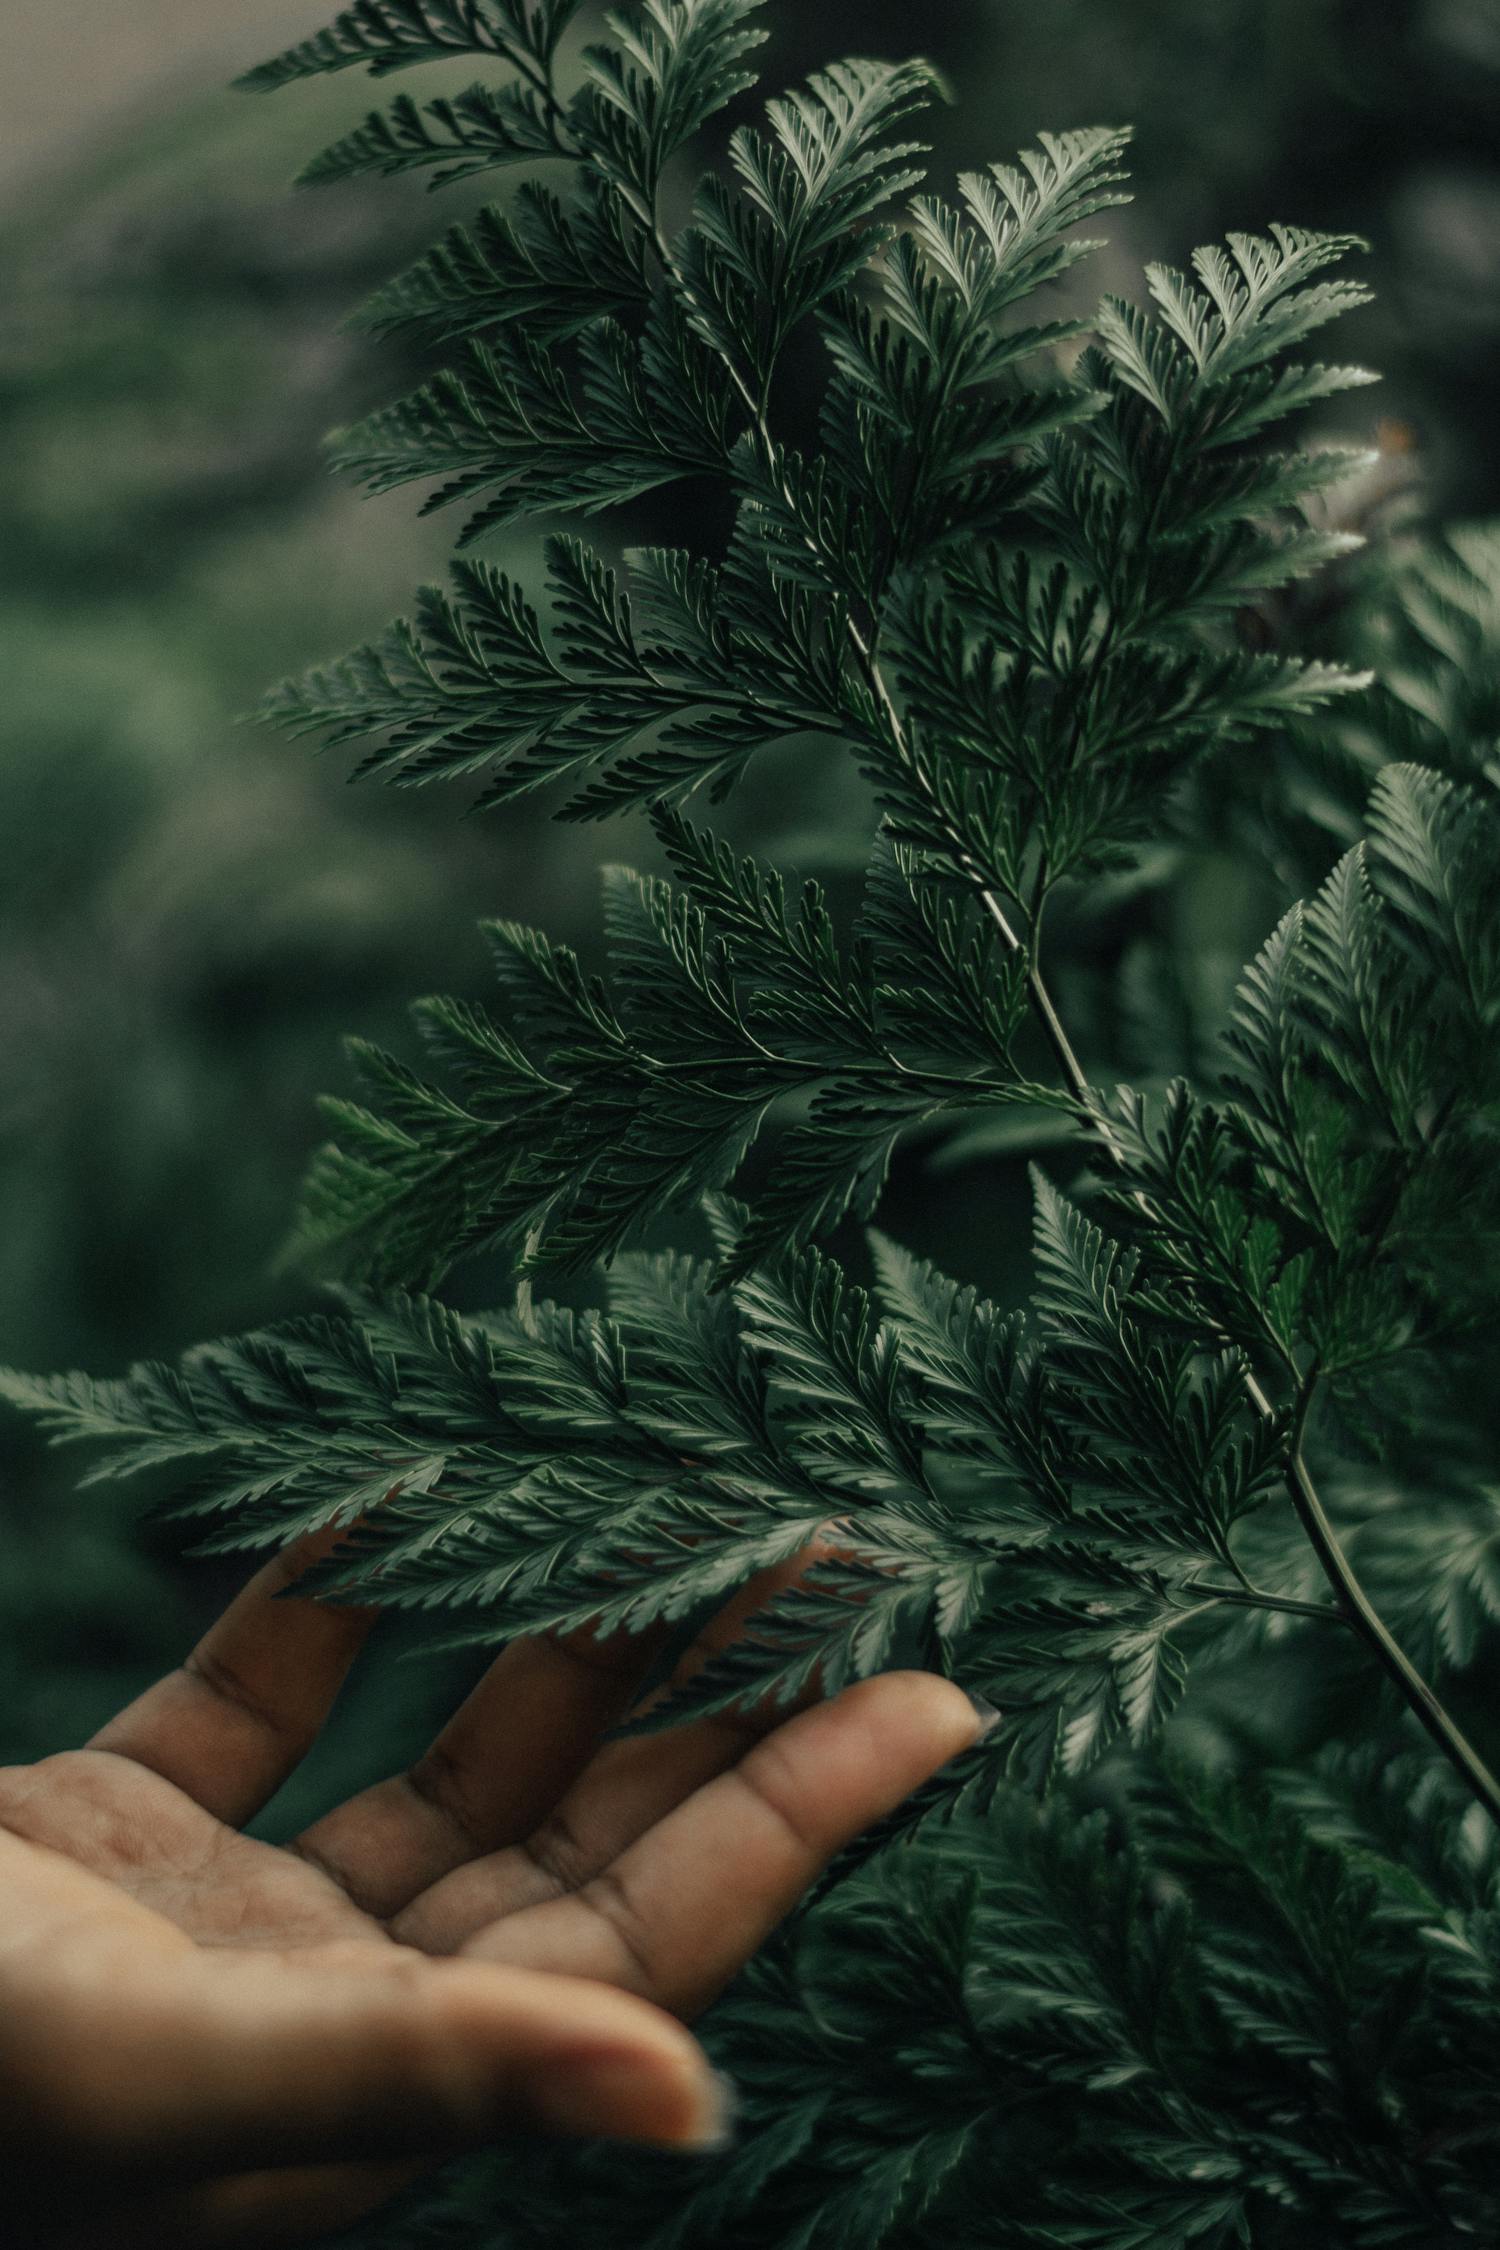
{"type": "Point", "coordinates": [213, 2041]}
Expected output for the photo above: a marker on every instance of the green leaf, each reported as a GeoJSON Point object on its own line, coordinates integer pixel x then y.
{"type": "Point", "coordinates": [505, 416]}
{"type": "Point", "coordinates": [551, 263]}
{"type": "Point", "coordinates": [387, 35]}
{"type": "Point", "coordinates": [675, 64]}
{"type": "Point", "coordinates": [452, 138]}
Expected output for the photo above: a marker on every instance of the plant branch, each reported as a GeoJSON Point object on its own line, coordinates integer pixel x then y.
{"type": "Point", "coordinates": [1251, 1597]}
{"type": "Point", "coordinates": [539, 75]}
{"type": "Point", "coordinates": [1362, 1615]}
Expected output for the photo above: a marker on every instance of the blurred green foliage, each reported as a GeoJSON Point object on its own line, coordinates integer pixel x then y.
{"type": "Point", "coordinates": [189, 917]}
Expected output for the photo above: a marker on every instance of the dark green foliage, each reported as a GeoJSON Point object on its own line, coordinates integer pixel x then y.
{"type": "Point", "coordinates": [1213, 2014]}
{"type": "Point", "coordinates": [1027, 589]}
{"type": "Point", "coordinates": [1041, 698]}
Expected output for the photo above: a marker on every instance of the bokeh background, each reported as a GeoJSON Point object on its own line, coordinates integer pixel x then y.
{"type": "Point", "coordinates": [192, 911]}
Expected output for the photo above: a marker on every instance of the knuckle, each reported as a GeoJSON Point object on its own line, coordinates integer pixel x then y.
{"type": "Point", "coordinates": [17, 1783]}
{"type": "Point", "coordinates": [438, 1780]}
{"type": "Point", "coordinates": [227, 1685]}
{"type": "Point", "coordinates": [560, 1855]}
{"type": "Point", "coordinates": [609, 1896]}
{"type": "Point", "coordinates": [776, 1782]}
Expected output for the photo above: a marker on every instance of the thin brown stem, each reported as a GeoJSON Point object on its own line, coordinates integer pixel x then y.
{"type": "Point", "coordinates": [1367, 1622]}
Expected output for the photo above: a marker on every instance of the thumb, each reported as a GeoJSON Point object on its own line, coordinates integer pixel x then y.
{"type": "Point", "coordinates": [226, 2061]}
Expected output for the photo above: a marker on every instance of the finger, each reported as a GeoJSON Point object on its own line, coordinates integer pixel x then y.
{"type": "Point", "coordinates": [509, 1750]}
{"type": "Point", "coordinates": [245, 1707]}
{"type": "Point", "coordinates": [683, 1908]}
{"type": "Point", "coordinates": [237, 2061]}
{"type": "Point", "coordinates": [625, 1788]}
{"type": "Point", "coordinates": [512, 1751]}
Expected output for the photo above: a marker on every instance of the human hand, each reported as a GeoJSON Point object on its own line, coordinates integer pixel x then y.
{"type": "Point", "coordinates": [211, 2041]}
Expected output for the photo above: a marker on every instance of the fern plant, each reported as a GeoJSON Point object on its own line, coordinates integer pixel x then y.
{"type": "Point", "coordinates": [1015, 563]}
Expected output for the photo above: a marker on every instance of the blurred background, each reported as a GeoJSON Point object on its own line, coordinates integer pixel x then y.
{"type": "Point", "coordinates": [193, 911]}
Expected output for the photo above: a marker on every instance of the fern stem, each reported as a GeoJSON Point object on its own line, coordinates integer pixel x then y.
{"type": "Point", "coordinates": [540, 76]}
{"type": "Point", "coordinates": [1062, 1047]}
{"type": "Point", "coordinates": [1251, 1597]}
{"type": "Point", "coordinates": [1354, 1603]}
{"type": "Point", "coordinates": [1367, 1622]}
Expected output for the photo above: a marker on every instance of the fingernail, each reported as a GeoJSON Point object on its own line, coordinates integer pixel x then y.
{"type": "Point", "coordinates": [722, 2127]}
{"type": "Point", "coordinates": [717, 2126]}
{"type": "Point", "coordinates": [985, 1712]}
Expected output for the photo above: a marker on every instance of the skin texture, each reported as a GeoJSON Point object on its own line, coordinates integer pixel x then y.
{"type": "Point", "coordinates": [215, 2042]}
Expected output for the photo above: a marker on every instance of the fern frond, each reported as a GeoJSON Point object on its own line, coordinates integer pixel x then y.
{"type": "Point", "coordinates": [385, 35]}
{"type": "Point", "coordinates": [451, 138]}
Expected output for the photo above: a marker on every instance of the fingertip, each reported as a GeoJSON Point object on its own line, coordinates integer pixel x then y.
{"type": "Point", "coordinates": [649, 2095]}
{"type": "Point", "coordinates": [605, 2064]}
{"type": "Point", "coordinates": [924, 1709]}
